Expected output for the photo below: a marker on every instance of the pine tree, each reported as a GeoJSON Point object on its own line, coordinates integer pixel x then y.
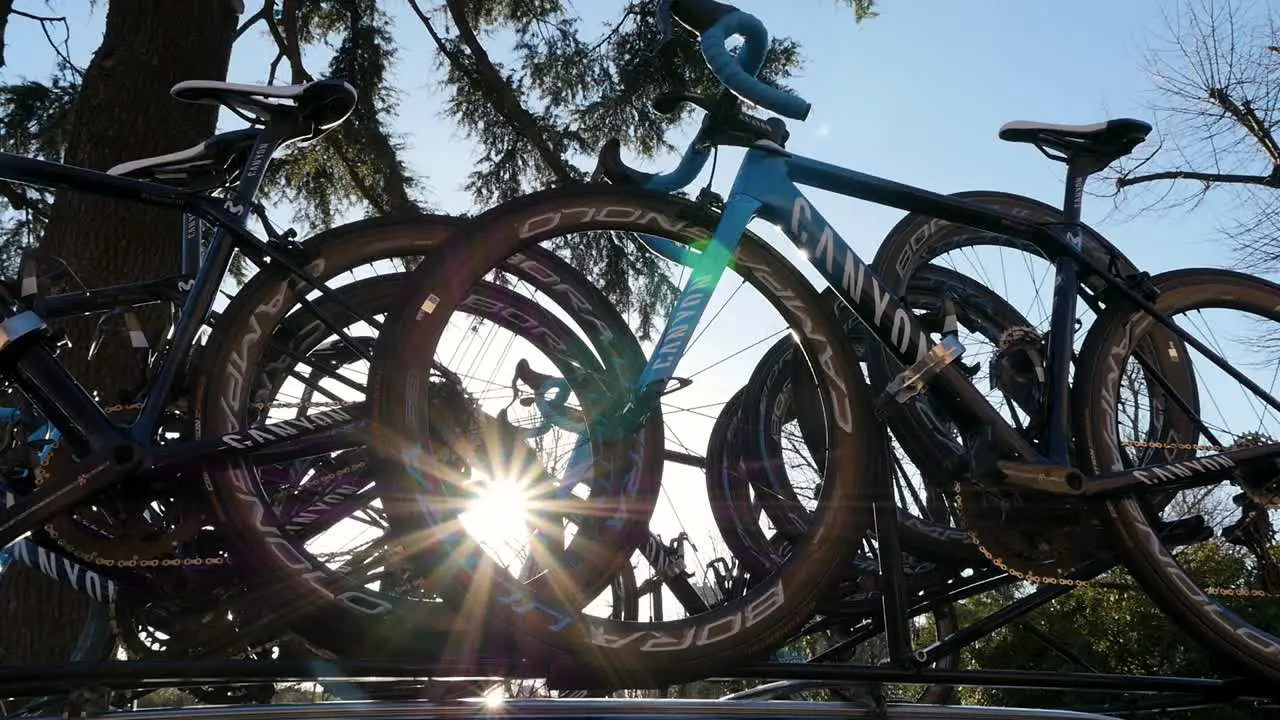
{"type": "Point", "coordinates": [119, 110]}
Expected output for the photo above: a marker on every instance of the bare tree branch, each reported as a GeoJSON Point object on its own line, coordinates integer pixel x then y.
{"type": "Point", "coordinates": [62, 50]}
{"type": "Point", "coordinates": [1272, 180]}
{"type": "Point", "coordinates": [264, 14]}
{"type": "Point", "coordinates": [41, 18]}
{"type": "Point", "coordinates": [292, 48]}
{"type": "Point", "coordinates": [1215, 72]}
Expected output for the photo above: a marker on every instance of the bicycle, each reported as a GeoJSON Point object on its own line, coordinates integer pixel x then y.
{"type": "Point", "coordinates": [765, 187]}
{"type": "Point", "coordinates": [99, 448]}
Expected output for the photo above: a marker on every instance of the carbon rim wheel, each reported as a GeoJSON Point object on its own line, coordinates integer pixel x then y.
{"type": "Point", "coordinates": [762, 619]}
{"type": "Point", "coordinates": [1150, 560]}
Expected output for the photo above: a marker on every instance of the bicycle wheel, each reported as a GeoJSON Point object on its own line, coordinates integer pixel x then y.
{"type": "Point", "coordinates": [1236, 619]}
{"type": "Point", "coordinates": [94, 642]}
{"type": "Point", "coordinates": [927, 524]}
{"type": "Point", "coordinates": [262, 334]}
{"type": "Point", "coordinates": [987, 258]}
{"type": "Point", "coordinates": [645, 654]}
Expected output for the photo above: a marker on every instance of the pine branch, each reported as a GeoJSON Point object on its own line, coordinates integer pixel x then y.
{"type": "Point", "coordinates": [504, 96]}
{"type": "Point", "coordinates": [366, 191]}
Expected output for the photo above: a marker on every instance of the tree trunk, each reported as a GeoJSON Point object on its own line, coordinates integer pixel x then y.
{"type": "Point", "coordinates": [123, 112]}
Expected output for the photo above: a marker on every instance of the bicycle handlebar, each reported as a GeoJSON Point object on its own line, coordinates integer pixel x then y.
{"type": "Point", "coordinates": [715, 23]}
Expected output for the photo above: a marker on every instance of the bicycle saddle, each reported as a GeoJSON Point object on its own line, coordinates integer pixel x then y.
{"type": "Point", "coordinates": [1111, 139]}
{"type": "Point", "coordinates": [324, 103]}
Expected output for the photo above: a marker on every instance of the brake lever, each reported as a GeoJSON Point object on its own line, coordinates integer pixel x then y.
{"type": "Point", "coordinates": [669, 102]}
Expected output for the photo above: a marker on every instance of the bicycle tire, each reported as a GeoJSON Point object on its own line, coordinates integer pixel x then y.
{"type": "Point", "coordinates": [95, 642]}
{"type": "Point", "coordinates": [735, 513]}
{"type": "Point", "coordinates": [645, 654]}
{"type": "Point", "coordinates": [771, 381]}
{"type": "Point", "coordinates": [373, 624]}
{"type": "Point", "coordinates": [1105, 350]}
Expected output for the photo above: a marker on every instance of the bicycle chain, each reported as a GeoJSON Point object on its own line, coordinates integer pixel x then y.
{"type": "Point", "coordinates": [1051, 580]}
{"type": "Point", "coordinates": [96, 559]}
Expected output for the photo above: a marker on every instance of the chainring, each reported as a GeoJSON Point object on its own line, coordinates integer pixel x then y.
{"type": "Point", "coordinates": [124, 525]}
{"type": "Point", "coordinates": [152, 631]}
{"type": "Point", "coordinates": [1032, 533]}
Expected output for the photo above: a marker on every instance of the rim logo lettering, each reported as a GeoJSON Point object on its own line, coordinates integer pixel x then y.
{"type": "Point", "coordinates": [839, 393]}
{"type": "Point", "coordinates": [65, 571]}
{"type": "Point", "coordinates": [701, 635]}
{"type": "Point", "coordinates": [483, 304]}
{"type": "Point", "coordinates": [231, 405]}
{"type": "Point", "coordinates": [612, 214]}
{"type": "Point", "coordinates": [550, 282]}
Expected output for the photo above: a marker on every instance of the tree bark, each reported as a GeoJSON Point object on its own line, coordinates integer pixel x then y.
{"type": "Point", "coordinates": [6, 7]}
{"type": "Point", "coordinates": [123, 112]}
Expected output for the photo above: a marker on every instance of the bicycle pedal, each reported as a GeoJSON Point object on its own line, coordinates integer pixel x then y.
{"type": "Point", "coordinates": [1057, 479]}
{"type": "Point", "coordinates": [910, 382]}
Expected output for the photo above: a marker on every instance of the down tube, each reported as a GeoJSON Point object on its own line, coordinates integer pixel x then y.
{"type": "Point", "coordinates": [892, 323]}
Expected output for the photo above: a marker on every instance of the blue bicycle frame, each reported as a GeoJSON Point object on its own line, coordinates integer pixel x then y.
{"type": "Point", "coordinates": [766, 187]}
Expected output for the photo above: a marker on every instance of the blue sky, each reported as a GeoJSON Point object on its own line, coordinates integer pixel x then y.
{"type": "Point", "coordinates": [916, 95]}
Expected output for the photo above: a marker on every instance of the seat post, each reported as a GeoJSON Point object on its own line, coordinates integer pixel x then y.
{"type": "Point", "coordinates": [1063, 321]}
{"type": "Point", "coordinates": [1078, 170]}
{"type": "Point", "coordinates": [192, 244]}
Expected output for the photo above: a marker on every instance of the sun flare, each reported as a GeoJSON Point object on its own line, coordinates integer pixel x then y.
{"type": "Point", "coordinates": [498, 516]}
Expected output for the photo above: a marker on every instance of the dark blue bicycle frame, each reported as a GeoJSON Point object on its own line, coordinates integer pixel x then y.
{"type": "Point", "coordinates": [65, 403]}
{"type": "Point", "coordinates": [766, 187]}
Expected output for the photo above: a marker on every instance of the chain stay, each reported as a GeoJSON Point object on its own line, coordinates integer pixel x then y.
{"type": "Point", "coordinates": [990, 556]}
{"type": "Point", "coordinates": [96, 559]}
{"type": "Point", "coordinates": [1052, 580]}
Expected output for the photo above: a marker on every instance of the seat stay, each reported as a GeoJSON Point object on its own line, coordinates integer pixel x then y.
{"type": "Point", "coordinates": [212, 163]}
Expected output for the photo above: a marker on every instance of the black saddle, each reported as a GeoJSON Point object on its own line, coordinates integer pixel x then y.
{"type": "Point", "coordinates": [1103, 142]}
{"type": "Point", "coordinates": [312, 110]}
